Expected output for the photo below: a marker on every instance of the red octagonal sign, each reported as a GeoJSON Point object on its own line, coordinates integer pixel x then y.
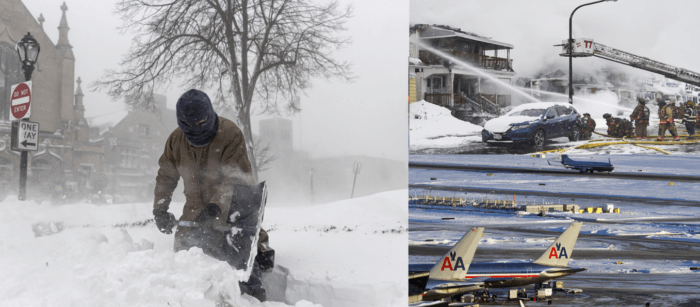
{"type": "Point", "coordinates": [21, 98]}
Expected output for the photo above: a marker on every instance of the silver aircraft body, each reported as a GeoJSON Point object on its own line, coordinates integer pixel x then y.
{"type": "Point", "coordinates": [455, 274]}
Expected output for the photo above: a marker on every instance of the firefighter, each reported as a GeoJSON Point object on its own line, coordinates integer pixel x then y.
{"type": "Point", "coordinates": [640, 116]}
{"type": "Point", "coordinates": [615, 127]}
{"type": "Point", "coordinates": [666, 121]}
{"type": "Point", "coordinates": [690, 117]}
{"type": "Point", "coordinates": [697, 109]}
{"type": "Point", "coordinates": [627, 128]}
{"type": "Point", "coordinates": [676, 112]}
{"type": "Point", "coordinates": [588, 126]}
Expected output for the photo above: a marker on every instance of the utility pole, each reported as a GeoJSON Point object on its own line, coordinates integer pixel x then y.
{"type": "Point", "coordinates": [356, 168]}
{"type": "Point", "coordinates": [311, 177]}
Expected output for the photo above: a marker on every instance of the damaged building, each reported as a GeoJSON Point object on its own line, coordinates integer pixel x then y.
{"type": "Point", "coordinates": [438, 79]}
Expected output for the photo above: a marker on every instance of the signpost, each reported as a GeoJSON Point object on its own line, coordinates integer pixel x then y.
{"type": "Point", "coordinates": [20, 100]}
{"type": "Point", "coordinates": [25, 134]}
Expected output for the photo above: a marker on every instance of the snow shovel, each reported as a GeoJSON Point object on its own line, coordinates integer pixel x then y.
{"type": "Point", "coordinates": [242, 232]}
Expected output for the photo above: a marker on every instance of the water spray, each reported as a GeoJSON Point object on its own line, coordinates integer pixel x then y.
{"type": "Point", "coordinates": [476, 70]}
{"type": "Point", "coordinates": [513, 88]}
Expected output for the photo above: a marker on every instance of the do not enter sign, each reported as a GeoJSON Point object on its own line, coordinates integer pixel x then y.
{"type": "Point", "coordinates": [20, 100]}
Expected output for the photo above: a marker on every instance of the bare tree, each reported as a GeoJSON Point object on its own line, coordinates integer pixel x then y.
{"type": "Point", "coordinates": [264, 154]}
{"type": "Point", "coordinates": [263, 51]}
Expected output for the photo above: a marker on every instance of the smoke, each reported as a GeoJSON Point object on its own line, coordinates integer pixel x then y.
{"type": "Point", "coordinates": [598, 104]}
{"type": "Point", "coordinates": [535, 26]}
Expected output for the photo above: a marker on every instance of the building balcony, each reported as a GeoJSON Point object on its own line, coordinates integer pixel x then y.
{"type": "Point", "coordinates": [480, 61]}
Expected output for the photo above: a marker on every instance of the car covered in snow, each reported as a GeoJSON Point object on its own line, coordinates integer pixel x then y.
{"type": "Point", "coordinates": [534, 122]}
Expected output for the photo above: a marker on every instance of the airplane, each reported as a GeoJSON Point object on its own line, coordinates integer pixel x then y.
{"type": "Point", "coordinates": [455, 274]}
{"type": "Point", "coordinates": [583, 167]}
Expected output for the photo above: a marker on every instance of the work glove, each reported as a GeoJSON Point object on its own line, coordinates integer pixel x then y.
{"type": "Point", "coordinates": [211, 211]}
{"type": "Point", "coordinates": [683, 122]}
{"type": "Point", "coordinates": [165, 221]}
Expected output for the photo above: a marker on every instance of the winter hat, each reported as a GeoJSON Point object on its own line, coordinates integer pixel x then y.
{"type": "Point", "coordinates": [196, 117]}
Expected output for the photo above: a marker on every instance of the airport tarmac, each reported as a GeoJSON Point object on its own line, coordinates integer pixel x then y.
{"type": "Point", "coordinates": [605, 290]}
{"type": "Point", "coordinates": [600, 288]}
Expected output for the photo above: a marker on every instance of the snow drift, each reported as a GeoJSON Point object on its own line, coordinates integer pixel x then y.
{"type": "Point", "coordinates": [434, 126]}
{"type": "Point", "coordinates": [347, 253]}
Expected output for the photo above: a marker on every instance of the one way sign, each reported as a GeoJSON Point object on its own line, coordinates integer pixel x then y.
{"type": "Point", "coordinates": [25, 136]}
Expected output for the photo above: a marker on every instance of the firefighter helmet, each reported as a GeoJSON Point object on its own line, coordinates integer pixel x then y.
{"type": "Point", "coordinates": [607, 115]}
{"type": "Point", "coordinates": [690, 103]}
{"type": "Point", "coordinates": [641, 101]}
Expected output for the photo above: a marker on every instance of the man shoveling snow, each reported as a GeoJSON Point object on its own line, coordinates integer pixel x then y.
{"type": "Point", "coordinates": [223, 211]}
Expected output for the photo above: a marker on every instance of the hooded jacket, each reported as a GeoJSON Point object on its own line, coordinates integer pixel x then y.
{"type": "Point", "coordinates": [196, 117]}
{"type": "Point", "coordinates": [209, 172]}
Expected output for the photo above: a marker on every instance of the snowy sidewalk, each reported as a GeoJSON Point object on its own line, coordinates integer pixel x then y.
{"type": "Point", "coordinates": [346, 253]}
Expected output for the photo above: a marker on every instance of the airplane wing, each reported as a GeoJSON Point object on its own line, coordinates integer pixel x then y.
{"type": "Point", "coordinates": [436, 284]}
{"type": "Point", "coordinates": [564, 165]}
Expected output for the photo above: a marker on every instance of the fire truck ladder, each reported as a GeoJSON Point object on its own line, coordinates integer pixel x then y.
{"type": "Point", "coordinates": [626, 58]}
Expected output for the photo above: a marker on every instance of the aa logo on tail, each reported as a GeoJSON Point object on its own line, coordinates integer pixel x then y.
{"type": "Point", "coordinates": [447, 263]}
{"type": "Point", "coordinates": [558, 252]}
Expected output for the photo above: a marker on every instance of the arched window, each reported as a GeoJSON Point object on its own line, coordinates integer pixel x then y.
{"type": "Point", "coordinates": [10, 74]}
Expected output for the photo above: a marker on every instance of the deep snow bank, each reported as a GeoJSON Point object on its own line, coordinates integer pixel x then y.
{"type": "Point", "coordinates": [340, 254]}
{"type": "Point", "coordinates": [434, 126]}
{"type": "Point", "coordinates": [346, 253]}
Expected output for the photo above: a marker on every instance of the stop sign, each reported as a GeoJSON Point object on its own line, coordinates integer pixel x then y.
{"type": "Point", "coordinates": [20, 100]}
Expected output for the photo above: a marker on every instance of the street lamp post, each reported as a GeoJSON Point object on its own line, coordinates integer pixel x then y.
{"type": "Point", "coordinates": [311, 178]}
{"type": "Point", "coordinates": [571, 51]}
{"type": "Point", "coordinates": [28, 51]}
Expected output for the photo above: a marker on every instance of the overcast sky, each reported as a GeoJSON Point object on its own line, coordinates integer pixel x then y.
{"type": "Point", "coordinates": [367, 117]}
{"type": "Point", "coordinates": [660, 30]}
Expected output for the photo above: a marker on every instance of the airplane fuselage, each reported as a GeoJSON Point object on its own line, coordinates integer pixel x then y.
{"type": "Point", "coordinates": [502, 275]}
{"type": "Point", "coordinates": [586, 166]}
{"type": "Point", "coordinates": [495, 275]}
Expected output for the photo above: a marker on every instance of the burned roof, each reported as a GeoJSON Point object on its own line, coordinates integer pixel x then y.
{"type": "Point", "coordinates": [555, 75]}
{"type": "Point", "coordinates": [442, 31]}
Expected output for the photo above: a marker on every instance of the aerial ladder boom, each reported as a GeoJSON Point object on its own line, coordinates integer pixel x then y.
{"type": "Point", "coordinates": [587, 47]}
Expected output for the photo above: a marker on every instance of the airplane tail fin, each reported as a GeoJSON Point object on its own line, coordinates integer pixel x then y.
{"type": "Point", "coordinates": [565, 159]}
{"type": "Point", "coordinates": [456, 262]}
{"type": "Point", "coordinates": [560, 251]}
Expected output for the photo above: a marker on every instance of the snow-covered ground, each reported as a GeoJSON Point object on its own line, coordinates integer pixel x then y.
{"type": "Point", "coordinates": [676, 165]}
{"type": "Point", "coordinates": [461, 220]}
{"type": "Point", "coordinates": [434, 126]}
{"type": "Point", "coordinates": [583, 186]}
{"type": "Point", "coordinates": [492, 240]}
{"type": "Point", "coordinates": [347, 253]}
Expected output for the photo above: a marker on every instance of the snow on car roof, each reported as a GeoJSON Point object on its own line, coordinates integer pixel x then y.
{"type": "Point", "coordinates": [539, 105]}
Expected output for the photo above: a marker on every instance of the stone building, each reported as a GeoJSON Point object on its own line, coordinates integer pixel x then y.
{"type": "Point", "coordinates": [132, 142]}
{"type": "Point", "coordinates": [67, 159]}
{"type": "Point", "coordinates": [278, 133]}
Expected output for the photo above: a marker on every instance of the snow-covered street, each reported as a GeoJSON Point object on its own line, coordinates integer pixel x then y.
{"type": "Point", "coordinates": [346, 253]}
{"type": "Point", "coordinates": [434, 130]}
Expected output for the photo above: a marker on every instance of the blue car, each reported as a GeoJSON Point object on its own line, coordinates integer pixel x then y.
{"type": "Point", "coordinates": [535, 123]}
